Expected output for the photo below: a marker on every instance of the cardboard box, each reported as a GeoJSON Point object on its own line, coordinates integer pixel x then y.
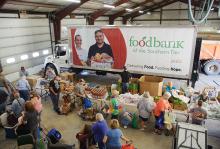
{"type": "Point", "coordinates": [32, 80]}
{"type": "Point", "coordinates": [64, 75]}
{"type": "Point", "coordinates": [152, 84]}
{"type": "Point", "coordinates": [134, 80]}
{"type": "Point", "coordinates": [71, 77]}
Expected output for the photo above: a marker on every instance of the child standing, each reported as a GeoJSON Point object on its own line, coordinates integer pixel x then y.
{"type": "Point", "coordinates": [114, 104]}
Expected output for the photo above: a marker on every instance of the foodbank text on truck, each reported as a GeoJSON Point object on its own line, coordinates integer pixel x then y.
{"type": "Point", "coordinates": [161, 51]}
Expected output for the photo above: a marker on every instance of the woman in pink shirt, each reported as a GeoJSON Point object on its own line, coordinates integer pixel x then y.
{"type": "Point", "coordinates": [162, 105]}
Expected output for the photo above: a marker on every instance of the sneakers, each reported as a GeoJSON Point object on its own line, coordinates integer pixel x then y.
{"type": "Point", "coordinates": [142, 129]}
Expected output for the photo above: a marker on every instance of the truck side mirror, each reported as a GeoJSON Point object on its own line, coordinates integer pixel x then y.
{"type": "Point", "coordinates": [60, 51]}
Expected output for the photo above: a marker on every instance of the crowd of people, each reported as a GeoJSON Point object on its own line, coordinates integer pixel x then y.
{"type": "Point", "coordinates": [99, 133]}
{"type": "Point", "coordinates": [21, 108]}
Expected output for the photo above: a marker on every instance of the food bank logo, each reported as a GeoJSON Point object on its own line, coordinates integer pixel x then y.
{"type": "Point", "coordinates": [153, 41]}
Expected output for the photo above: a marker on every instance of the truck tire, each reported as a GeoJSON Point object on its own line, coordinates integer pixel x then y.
{"type": "Point", "coordinates": [212, 67]}
{"type": "Point", "coordinates": [51, 66]}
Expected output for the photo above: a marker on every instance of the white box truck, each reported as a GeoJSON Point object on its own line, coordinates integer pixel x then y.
{"type": "Point", "coordinates": [160, 51]}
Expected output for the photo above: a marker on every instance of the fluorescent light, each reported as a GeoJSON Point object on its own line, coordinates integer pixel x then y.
{"type": "Point", "coordinates": [45, 52]}
{"type": "Point", "coordinates": [10, 60]}
{"type": "Point", "coordinates": [75, 1]}
{"type": "Point", "coordinates": [140, 11]}
{"type": "Point", "coordinates": [108, 6]}
{"type": "Point", "coordinates": [35, 54]}
{"type": "Point", "coordinates": [149, 13]}
{"type": "Point", "coordinates": [24, 57]}
{"type": "Point", "coordinates": [129, 10]}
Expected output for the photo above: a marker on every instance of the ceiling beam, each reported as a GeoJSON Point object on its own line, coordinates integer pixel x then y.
{"type": "Point", "coordinates": [2, 3]}
{"type": "Point", "coordinates": [59, 15]}
{"type": "Point", "coordinates": [98, 13]}
{"type": "Point", "coordinates": [150, 8]}
{"type": "Point", "coordinates": [120, 13]}
{"type": "Point", "coordinates": [68, 10]}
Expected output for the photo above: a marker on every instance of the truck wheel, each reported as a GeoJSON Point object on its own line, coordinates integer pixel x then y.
{"type": "Point", "coordinates": [212, 67]}
{"type": "Point", "coordinates": [50, 66]}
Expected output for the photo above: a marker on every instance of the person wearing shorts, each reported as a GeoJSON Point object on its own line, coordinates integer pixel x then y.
{"type": "Point", "coordinates": [145, 107]}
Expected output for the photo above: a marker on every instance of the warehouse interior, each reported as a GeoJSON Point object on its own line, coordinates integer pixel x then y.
{"type": "Point", "coordinates": [31, 29]}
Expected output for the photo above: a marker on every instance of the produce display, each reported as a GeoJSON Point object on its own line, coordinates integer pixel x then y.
{"type": "Point", "coordinates": [99, 91]}
{"type": "Point", "coordinates": [89, 88]}
{"type": "Point", "coordinates": [66, 87]}
{"type": "Point", "coordinates": [128, 98]}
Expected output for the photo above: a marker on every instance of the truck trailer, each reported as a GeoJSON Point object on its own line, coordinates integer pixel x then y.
{"type": "Point", "coordinates": [161, 51]}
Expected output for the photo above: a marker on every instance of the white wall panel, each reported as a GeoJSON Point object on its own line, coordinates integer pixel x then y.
{"type": "Point", "coordinates": [23, 37]}
{"type": "Point", "coordinates": [16, 67]}
{"type": "Point", "coordinates": [101, 22]}
{"type": "Point", "coordinates": [154, 15]}
{"type": "Point", "coordinates": [147, 23]}
{"type": "Point", "coordinates": [8, 51]}
{"type": "Point", "coordinates": [66, 23]}
{"type": "Point", "coordinates": [181, 14]}
{"type": "Point", "coordinates": [4, 15]}
{"type": "Point", "coordinates": [9, 22]}
{"type": "Point", "coordinates": [13, 32]}
{"type": "Point", "coordinates": [16, 41]}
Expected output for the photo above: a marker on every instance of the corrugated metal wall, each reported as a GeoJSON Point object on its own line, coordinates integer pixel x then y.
{"type": "Point", "coordinates": [23, 37]}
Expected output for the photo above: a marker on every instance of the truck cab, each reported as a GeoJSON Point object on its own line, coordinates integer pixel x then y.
{"type": "Point", "coordinates": [60, 59]}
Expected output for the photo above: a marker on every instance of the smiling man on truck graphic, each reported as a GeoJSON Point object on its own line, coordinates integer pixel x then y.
{"type": "Point", "coordinates": [100, 52]}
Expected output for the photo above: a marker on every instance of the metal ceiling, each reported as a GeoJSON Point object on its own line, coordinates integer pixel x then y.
{"type": "Point", "coordinates": [92, 6]}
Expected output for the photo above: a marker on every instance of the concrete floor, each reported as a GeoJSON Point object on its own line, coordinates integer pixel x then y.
{"type": "Point", "coordinates": [71, 124]}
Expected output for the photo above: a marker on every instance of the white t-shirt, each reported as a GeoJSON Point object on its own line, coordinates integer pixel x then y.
{"type": "Point", "coordinates": [82, 53]}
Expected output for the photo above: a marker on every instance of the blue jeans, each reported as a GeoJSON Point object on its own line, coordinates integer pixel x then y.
{"type": "Point", "coordinates": [124, 87]}
{"type": "Point", "coordinates": [24, 94]}
{"type": "Point", "coordinates": [55, 101]}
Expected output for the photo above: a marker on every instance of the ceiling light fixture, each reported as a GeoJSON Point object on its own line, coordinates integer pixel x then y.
{"type": "Point", "coordinates": [141, 11]}
{"type": "Point", "coordinates": [109, 6]}
{"type": "Point", "coordinates": [75, 1]}
{"type": "Point", "coordinates": [129, 10]}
